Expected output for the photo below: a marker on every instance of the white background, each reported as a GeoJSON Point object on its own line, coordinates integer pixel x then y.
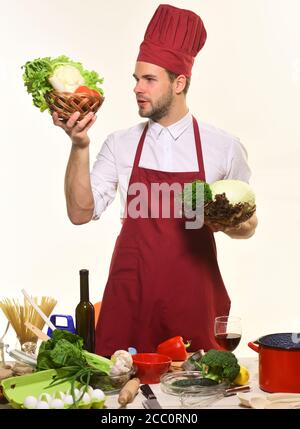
{"type": "Point", "coordinates": [246, 80]}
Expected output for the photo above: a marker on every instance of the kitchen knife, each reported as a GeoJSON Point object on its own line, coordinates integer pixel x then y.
{"type": "Point", "coordinates": [151, 401]}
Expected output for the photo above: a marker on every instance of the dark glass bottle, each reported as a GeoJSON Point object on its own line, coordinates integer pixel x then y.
{"type": "Point", "coordinates": [85, 314]}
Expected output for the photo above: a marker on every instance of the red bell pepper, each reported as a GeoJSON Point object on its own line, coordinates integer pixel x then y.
{"type": "Point", "coordinates": [174, 348]}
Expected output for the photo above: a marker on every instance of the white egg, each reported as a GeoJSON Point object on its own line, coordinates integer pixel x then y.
{"type": "Point", "coordinates": [89, 390]}
{"type": "Point", "coordinates": [77, 393]}
{"type": "Point", "coordinates": [57, 404]}
{"type": "Point", "coordinates": [42, 405]}
{"type": "Point", "coordinates": [98, 394]}
{"type": "Point", "coordinates": [85, 399]}
{"type": "Point", "coordinates": [30, 402]}
{"type": "Point", "coordinates": [68, 400]}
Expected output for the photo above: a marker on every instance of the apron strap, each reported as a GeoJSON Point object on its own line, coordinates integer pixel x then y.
{"type": "Point", "coordinates": [140, 148]}
{"type": "Point", "coordinates": [198, 149]}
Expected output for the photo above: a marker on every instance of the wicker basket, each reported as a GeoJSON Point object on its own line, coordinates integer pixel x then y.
{"type": "Point", "coordinates": [66, 103]}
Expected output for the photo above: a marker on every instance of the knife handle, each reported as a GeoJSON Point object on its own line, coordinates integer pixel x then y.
{"type": "Point", "coordinates": [147, 391]}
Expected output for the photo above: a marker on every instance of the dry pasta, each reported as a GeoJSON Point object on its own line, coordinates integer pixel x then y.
{"type": "Point", "coordinates": [18, 314]}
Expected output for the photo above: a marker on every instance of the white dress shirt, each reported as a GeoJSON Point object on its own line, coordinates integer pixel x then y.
{"type": "Point", "coordinates": [170, 149]}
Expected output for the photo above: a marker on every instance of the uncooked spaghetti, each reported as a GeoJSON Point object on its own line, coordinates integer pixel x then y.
{"type": "Point", "coordinates": [18, 314]}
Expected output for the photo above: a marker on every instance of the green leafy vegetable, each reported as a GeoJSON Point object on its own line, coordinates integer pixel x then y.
{"type": "Point", "coordinates": [195, 382]}
{"type": "Point", "coordinates": [98, 362]}
{"type": "Point", "coordinates": [227, 202]}
{"type": "Point", "coordinates": [192, 193]}
{"type": "Point", "coordinates": [64, 353]}
{"type": "Point", "coordinates": [217, 365]}
{"type": "Point", "coordinates": [65, 349]}
{"type": "Point", "coordinates": [37, 73]}
{"type": "Point", "coordinates": [221, 366]}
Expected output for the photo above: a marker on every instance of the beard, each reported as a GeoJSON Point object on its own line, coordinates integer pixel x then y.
{"type": "Point", "coordinates": [160, 108]}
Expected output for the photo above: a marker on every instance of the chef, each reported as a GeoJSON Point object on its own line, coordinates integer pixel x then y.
{"type": "Point", "coordinates": [164, 278]}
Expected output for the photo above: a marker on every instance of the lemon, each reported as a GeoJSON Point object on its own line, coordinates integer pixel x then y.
{"type": "Point", "coordinates": [242, 377]}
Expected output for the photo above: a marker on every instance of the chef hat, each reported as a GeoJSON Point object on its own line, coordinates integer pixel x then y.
{"type": "Point", "coordinates": [173, 39]}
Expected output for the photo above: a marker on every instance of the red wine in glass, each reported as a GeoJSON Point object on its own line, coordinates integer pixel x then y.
{"type": "Point", "coordinates": [228, 332]}
{"type": "Point", "coordinates": [228, 341]}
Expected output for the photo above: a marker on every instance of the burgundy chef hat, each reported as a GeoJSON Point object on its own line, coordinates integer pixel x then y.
{"type": "Point", "coordinates": [173, 39]}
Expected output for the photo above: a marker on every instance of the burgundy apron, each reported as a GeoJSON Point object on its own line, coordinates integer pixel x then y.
{"type": "Point", "coordinates": [164, 279]}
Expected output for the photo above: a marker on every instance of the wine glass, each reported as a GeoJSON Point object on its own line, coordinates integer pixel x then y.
{"type": "Point", "coordinates": [228, 332]}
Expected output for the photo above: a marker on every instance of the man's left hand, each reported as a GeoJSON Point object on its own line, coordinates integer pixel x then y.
{"type": "Point", "coordinates": [243, 230]}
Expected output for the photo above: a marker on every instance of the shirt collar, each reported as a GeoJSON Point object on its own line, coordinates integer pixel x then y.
{"type": "Point", "coordinates": [175, 129]}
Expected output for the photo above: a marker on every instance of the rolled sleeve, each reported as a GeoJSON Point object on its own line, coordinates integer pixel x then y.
{"type": "Point", "coordinates": [104, 178]}
{"type": "Point", "coordinates": [237, 166]}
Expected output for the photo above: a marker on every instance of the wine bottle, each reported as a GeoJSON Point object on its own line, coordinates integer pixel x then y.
{"type": "Point", "coordinates": [85, 314]}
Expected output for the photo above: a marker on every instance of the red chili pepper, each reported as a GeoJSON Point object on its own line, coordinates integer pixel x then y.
{"type": "Point", "coordinates": [174, 348]}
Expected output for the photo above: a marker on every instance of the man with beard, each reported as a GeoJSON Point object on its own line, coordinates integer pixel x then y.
{"type": "Point", "coordinates": [164, 279]}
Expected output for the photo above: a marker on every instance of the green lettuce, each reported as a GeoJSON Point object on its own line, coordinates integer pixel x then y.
{"type": "Point", "coordinates": [65, 349]}
{"type": "Point", "coordinates": [37, 72]}
{"type": "Point", "coordinates": [190, 197]}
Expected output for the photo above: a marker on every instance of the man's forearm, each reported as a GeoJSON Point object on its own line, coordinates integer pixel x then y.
{"type": "Point", "coordinates": [78, 191]}
{"type": "Point", "coordinates": [245, 230]}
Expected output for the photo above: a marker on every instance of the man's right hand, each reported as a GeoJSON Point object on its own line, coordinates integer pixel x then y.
{"type": "Point", "coordinates": [77, 131]}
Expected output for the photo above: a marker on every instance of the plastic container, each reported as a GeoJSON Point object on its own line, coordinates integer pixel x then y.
{"type": "Point", "coordinates": [63, 322]}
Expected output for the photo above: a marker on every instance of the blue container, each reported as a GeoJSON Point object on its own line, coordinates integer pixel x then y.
{"type": "Point", "coordinates": [63, 322]}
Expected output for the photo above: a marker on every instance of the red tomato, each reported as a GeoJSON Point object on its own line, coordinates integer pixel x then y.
{"type": "Point", "coordinates": [87, 90]}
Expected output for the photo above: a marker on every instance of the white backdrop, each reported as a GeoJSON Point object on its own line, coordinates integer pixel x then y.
{"type": "Point", "coordinates": [246, 80]}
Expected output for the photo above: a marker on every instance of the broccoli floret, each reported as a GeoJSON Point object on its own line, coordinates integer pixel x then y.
{"type": "Point", "coordinates": [220, 365]}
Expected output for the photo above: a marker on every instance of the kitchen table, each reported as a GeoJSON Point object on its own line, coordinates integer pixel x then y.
{"type": "Point", "coordinates": [173, 402]}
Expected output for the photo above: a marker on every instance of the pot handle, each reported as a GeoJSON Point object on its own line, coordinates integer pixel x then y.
{"type": "Point", "coordinates": [253, 346]}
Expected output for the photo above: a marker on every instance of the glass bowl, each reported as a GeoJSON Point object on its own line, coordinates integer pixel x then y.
{"type": "Point", "coordinates": [191, 395]}
{"type": "Point", "coordinates": [111, 384]}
